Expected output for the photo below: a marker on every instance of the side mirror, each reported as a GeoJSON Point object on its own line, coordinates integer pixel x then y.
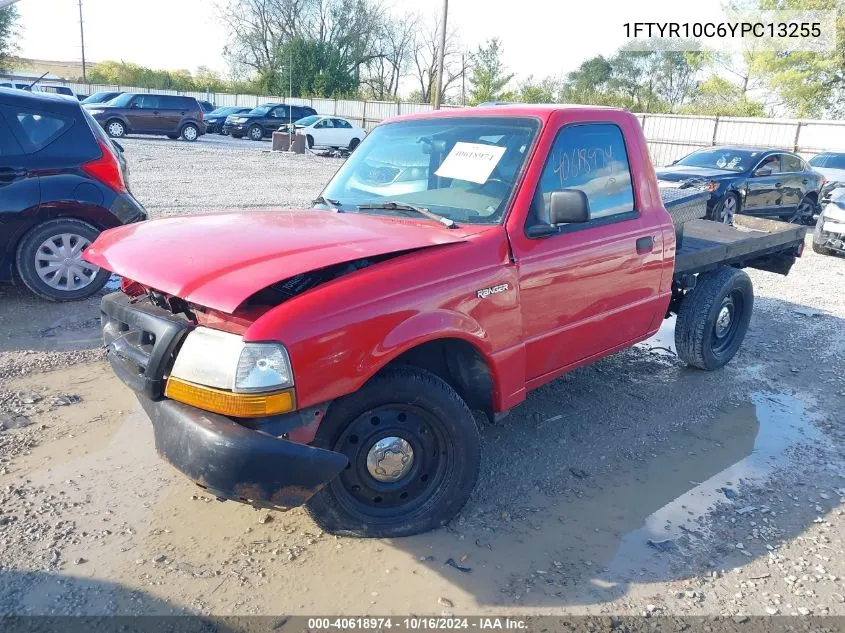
{"type": "Point", "coordinates": [569, 206]}
{"type": "Point", "coordinates": [763, 171]}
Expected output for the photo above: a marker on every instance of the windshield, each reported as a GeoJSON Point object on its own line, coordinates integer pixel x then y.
{"type": "Point", "coordinates": [463, 169]}
{"type": "Point", "coordinates": [222, 111]}
{"type": "Point", "coordinates": [121, 101]}
{"type": "Point", "coordinates": [724, 159]}
{"type": "Point", "coordinates": [309, 120]}
{"type": "Point", "coordinates": [261, 110]}
{"type": "Point", "coordinates": [833, 161]}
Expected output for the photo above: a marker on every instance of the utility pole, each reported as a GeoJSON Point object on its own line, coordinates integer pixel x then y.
{"type": "Point", "coordinates": [82, 39]}
{"type": "Point", "coordinates": [463, 79]}
{"type": "Point", "coordinates": [438, 86]}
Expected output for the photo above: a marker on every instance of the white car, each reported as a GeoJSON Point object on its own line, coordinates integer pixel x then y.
{"type": "Point", "coordinates": [330, 131]}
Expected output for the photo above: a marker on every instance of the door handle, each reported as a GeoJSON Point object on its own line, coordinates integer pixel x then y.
{"type": "Point", "coordinates": [645, 244]}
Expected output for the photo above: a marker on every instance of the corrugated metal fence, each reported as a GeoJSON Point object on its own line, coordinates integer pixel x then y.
{"type": "Point", "coordinates": [669, 136]}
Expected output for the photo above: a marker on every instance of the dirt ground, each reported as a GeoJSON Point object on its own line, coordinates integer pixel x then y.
{"type": "Point", "coordinates": [633, 486]}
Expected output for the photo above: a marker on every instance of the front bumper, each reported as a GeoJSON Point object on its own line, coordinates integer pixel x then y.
{"type": "Point", "coordinates": [222, 456]}
{"type": "Point", "coordinates": [830, 234]}
{"type": "Point", "coordinates": [231, 461]}
{"type": "Point", "coordinates": [237, 129]}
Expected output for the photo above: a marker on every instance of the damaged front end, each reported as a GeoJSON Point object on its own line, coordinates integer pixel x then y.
{"type": "Point", "coordinates": [264, 460]}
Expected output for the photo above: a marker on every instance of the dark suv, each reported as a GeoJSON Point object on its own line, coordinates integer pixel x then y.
{"type": "Point", "coordinates": [62, 181]}
{"type": "Point", "coordinates": [262, 121]}
{"type": "Point", "coordinates": [169, 115]}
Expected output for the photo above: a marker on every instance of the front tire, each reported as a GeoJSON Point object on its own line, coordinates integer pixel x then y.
{"type": "Point", "coordinates": [115, 129]}
{"type": "Point", "coordinates": [49, 261]}
{"type": "Point", "coordinates": [414, 454]}
{"type": "Point", "coordinates": [309, 141]}
{"type": "Point", "coordinates": [714, 318]}
{"type": "Point", "coordinates": [726, 209]}
{"type": "Point", "coordinates": [256, 133]}
{"type": "Point", "coordinates": [190, 132]}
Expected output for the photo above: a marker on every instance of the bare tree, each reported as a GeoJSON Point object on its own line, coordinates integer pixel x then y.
{"type": "Point", "coordinates": [384, 73]}
{"type": "Point", "coordinates": [455, 62]}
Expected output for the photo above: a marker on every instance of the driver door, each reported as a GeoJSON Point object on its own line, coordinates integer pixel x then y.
{"type": "Point", "coordinates": [275, 118]}
{"type": "Point", "coordinates": [765, 189]}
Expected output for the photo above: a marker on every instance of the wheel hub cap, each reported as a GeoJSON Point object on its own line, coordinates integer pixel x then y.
{"type": "Point", "coordinates": [723, 321]}
{"type": "Point", "coordinates": [390, 459]}
{"type": "Point", "coordinates": [59, 262]}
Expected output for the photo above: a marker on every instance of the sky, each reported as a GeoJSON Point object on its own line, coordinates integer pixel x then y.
{"type": "Point", "coordinates": [540, 37]}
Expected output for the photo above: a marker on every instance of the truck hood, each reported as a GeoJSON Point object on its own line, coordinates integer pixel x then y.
{"type": "Point", "coordinates": [220, 260]}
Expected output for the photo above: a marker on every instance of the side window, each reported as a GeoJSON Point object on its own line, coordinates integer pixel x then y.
{"type": "Point", "coordinates": [341, 123]}
{"type": "Point", "coordinates": [324, 123]}
{"type": "Point", "coordinates": [39, 129]}
{"type": "Point", "coordinates": [147, 102]}
{"type": "Point", "coordinates": [590, 157]}
{"type": "Point", "coordinates": [792, 163]}
{"type": "Point", "coordinates": [770, 162]}
{"type": "Point", "coordinates": [8, 145]}
{"type": "Point", "coordinates": [280, 113]}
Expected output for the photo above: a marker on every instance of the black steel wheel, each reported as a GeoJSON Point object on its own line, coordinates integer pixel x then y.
{"type": "Point", "coordinates": [413, 451]}
{"type": "Point", "coordinates": [714, 317]}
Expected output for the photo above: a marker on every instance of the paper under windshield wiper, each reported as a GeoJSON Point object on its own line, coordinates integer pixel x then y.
{"type": "Point", "coordinates": [404, 206]}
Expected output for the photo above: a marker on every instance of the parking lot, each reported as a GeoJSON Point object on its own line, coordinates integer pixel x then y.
{"type": "Point", "coordinates": [635, 485]}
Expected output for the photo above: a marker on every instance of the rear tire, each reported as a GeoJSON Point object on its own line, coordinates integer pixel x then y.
{"type": "Point", "coordinates": [424, 476]}
{"type": "Point", "coordinates": [46, 247]}
{"type": "Point", "coordinates": [714, 318]}
{"type": "Point", "coordinates": [189, 132]}
{"type": "Point", "coordinates": [353, 144]}
{"type": "Point", "coordinates": [115, 128]}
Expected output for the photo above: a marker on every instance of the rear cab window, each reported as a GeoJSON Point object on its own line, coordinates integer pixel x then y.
{"type": "Point", "coordinates": [590, 157]}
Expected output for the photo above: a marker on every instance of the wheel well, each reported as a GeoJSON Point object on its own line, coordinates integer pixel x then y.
{"type": "Point", "coordinates": [459, 364]}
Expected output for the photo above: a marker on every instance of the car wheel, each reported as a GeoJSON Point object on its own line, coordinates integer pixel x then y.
{"type": "Point", "coordinates": [821, 250]}
{"type": "Point", "coordinates": [189, 132]}
{"type": "Point", "coordinates": [256, 133]}
{"type": "Point", "coordinates": [714, 317]}
{"type": "Point", "coordinates": [726, 209]}
{"type": "Point", "coordinates": [115, 128]}
{"type": "Point", "coordinates": [804, 212]}
{"type": "Point", "coordinates": [353, 144]}
{"type": "Point", "coordinates": [49, 260]}
{"type": "Point", "coordinates": [414, 452]}
{"type": "Point", "coordinates": [309, 141]}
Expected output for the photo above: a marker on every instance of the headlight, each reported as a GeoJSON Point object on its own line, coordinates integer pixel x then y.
{"type": "Point", "coordinates": [711, 186]}
{"type": "Point", "coordinates": [834, 212]}
{"type": "Point", "coordinates": [238, 119]}
{"type": "Point", "coordinates": [218, 371]}
{"type": "Point", "coordinates": [95, 112]}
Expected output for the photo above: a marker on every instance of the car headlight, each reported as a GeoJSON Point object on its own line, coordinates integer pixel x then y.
{"type": "Point", "coordinates": [834, 212]}
{"type": "Point", "coordinates": [95, 112]}
{"type": "Point", "coordinates": [218, 371]}
{"type": "Point", "coordinates": [239, 119]}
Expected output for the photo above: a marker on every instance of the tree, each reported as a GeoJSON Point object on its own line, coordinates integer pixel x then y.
{"type": "Point", "coordinates": [546, 90]}
{"type": "Point", "coordinates": [424, 61]}
{"type": "Point", "coordinates": [318, 69]}
{"type": "Point", "coordinates": [383, 73]}
{"type": "Point", "coordinates": [339, 36]}
{"type": "Point", "coordinates": [8, 19]}
{"type": "Point", "coordinates": [719, 96]}
{"type": "Point", "coordinates": [489, 76]}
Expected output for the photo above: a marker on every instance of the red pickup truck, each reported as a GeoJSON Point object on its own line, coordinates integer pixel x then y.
{"type": "Point", "coordinates": [458, 259]}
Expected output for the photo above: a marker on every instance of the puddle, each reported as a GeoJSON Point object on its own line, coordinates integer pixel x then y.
{"type": "Point", "coordinates": [753, 439]}
{"type": "Point", "coordinates": [663, 342]}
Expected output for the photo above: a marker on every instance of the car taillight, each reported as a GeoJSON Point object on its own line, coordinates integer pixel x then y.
{"type": "Point", "coordinates": [106, 169]}
{"type": "Point", "coordinates": [202, 115]}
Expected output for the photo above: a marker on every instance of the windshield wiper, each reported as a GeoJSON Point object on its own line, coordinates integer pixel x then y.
{"type": "Point", "coordinates": [334, 205]}
{"type": "Point", "coordinates": [404, 206]}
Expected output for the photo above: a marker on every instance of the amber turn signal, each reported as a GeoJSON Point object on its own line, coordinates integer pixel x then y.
{"type": "Point", "coordinates": [236, 405]}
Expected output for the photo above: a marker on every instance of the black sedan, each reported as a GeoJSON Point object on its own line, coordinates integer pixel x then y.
{"type": "Point", "coordinates": [761, 182]}
{"type": "Point", "coordinates": [215, 119]}
{"type": "Point", "coordinates": [62, 181]}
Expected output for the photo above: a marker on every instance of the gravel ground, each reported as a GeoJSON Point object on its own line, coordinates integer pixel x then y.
{"type": "Point", "coordinates": [633, 486]}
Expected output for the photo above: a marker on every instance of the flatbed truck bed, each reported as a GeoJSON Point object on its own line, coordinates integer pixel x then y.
{"type": "Point", "coordinates": [751, 242]}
